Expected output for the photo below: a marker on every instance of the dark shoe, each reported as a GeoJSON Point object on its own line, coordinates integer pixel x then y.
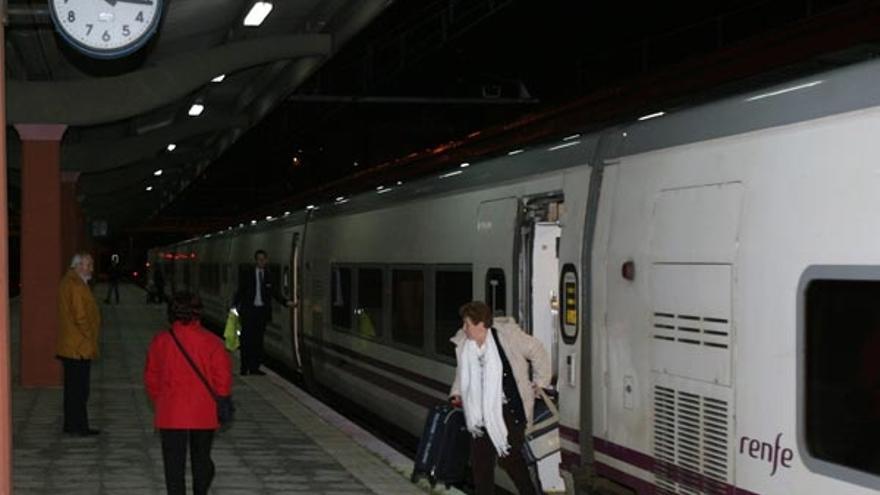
{"type": "Point", "coordinates": [258, 372]}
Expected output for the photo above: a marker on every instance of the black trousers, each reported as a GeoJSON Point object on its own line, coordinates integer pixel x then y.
{"type": "Point", "coordinates": [253, 327]}
{"type": "Point", "coordinates": [77, 374]}
{"type": "Point", "coordinates": [483, 458]}
{"type": "Point", "coordinates": [112, 288]}
{"type": "Point", "coordinates": [174, 444]}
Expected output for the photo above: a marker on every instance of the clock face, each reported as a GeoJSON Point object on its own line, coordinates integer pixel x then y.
{"type": "Point", "coordinates": [106, 28]}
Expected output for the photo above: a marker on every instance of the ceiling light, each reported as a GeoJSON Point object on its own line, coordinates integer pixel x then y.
{"type": "Point", "coordinates": [196, 109]}
{"type": "Point", "coordinates": [270, 218]}
{"type": "Point", "coordinates": [573, 136]}
{"type": "Point", "coordinates": [451, 174]}
{"type": "Point", "coordinates": [465, 165]}
{"type": "Point", "coordinates": [286, 213]}
{"type": "Point", "coordinates": [515, 152]}
{"type": "Point", "coordinates": [149, 188]}
{"type": "Point", "coordinates": [383, 191]}
{"type": "Point", "coordinates": [355, 164]}
{"type": "Point", "coordinates": [158, 172]}
{"type": "Point", "coordinates": [310, 207]}
{"type": "Point", "coordinates": [566, 145]}
{"type": "Point", "coordinates": [652, 115]}
{"type": "Point", "coordinates": [258, 13]}
{"type": "Point", "coordinates": [400, 183]}
{"type": "Point", "coordinates": [172, 146]}
{"type": "Point", "coordinates": [340, 198]}
{"type": "Point", "coordinates": [219, 79]}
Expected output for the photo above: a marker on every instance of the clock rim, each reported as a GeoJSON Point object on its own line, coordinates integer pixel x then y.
{"type": "Point", "coordinates": [111, 53]}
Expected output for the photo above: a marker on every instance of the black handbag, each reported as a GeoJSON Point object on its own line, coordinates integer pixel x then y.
{"type": "Point", "coordinates": [225, 406]}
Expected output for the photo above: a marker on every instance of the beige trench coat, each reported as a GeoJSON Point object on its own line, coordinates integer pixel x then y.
{"type": "Point", "coordinates": [520, 349]}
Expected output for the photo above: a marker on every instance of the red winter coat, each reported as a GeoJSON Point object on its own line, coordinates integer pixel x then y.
{"type": "Point", "coordinates": [179, 396]}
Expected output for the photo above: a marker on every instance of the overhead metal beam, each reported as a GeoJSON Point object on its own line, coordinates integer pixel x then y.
{"type": "Point", "coordinates": [409, 100]}
{"type": "Point", "coordinates": [96, 101]}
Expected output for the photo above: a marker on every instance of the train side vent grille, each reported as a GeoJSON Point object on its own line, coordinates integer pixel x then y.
{"type": "Point", "coordinates": [692, 330]}
{"type": "Point", "coordinates": [691, 443]}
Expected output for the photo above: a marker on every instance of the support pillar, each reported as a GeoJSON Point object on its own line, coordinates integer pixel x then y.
{"type": "Point", "coordinates": [5, 368]}
{"type": "Point", "coordinates": [41, 248]}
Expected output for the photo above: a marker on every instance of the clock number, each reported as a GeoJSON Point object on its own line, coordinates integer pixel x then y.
{"type": "Point", "coordinates": [125, 30]}
{"type": "Point", "coordinates": [71, 16]}
{"type": "Point", "coordinates": [140, 16]}
{"type": "Point", "coordinates": [90, 27]}
{"type": "Point", "coordinates": [105, 36]}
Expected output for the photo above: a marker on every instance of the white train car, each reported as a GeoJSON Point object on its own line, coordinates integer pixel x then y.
{"type": "Point", "coordinates": [707, 283]}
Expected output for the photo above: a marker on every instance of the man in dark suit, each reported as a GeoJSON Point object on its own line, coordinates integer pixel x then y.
{"type": "Point", "coordinates": [253, 300]}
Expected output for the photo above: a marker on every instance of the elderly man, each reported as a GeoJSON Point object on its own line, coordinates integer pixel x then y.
{"type": "Point", "coordinates": [77, 342]}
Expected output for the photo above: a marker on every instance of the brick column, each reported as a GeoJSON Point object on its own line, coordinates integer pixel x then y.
{"type": "Point", "coordinates": [41, 247]}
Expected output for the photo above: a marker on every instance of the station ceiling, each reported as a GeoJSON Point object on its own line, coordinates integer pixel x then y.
{"type": "Point", "coordinates": [334, 96]}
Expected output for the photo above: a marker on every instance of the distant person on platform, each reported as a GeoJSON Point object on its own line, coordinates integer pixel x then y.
{"type": "Point", "coordinates": [253, 301]}
{"type": "Point", "coordinates": [80, 322]}
{"type": "Point", "coordinates": [113, 276]}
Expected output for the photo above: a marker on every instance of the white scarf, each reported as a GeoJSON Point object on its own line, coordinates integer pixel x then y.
{"type": "Point", "coordinates": [481, 391]}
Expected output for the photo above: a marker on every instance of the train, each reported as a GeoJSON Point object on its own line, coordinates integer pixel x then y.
{"type": "Point", "coordinates": [705, 278]}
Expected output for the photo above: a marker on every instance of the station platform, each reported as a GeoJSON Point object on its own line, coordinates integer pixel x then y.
{"type": "Point", "coordinates": [283, 441]}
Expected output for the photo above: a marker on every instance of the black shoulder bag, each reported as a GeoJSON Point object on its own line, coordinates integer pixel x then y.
{"type": "Point", "coordinates": [225, 407]}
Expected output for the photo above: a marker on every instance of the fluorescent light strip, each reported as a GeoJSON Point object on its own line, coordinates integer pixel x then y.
{"type": "Point", "coordinates": [158, 172]}
{"type": "Point", "coordinates": [451, 174]}
{"type": "Point", "coordinates": [515, 152]}
{"type": "Point", "coordinates": [258, 13]}
{"type": "Point", "coordinates": [219, 79]}
{"type": "Point", "coordinates": [383, 191]}
{"type": "Point", "coordinates": [171, 147]}
{"type": "Point", "coordinates": [566, 145]}
{"type": "Point", "coordinates": [652, 115]}
{"type": "Point", "coordinates": [573, 136]}
{"type": "Point", "coordinates": [785, 90]}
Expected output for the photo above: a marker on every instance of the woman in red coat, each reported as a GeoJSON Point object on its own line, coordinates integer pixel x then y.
{"type": "Point", "coordinates": [185, 410]}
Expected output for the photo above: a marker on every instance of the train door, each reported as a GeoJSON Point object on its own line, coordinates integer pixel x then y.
{"type": "Point", "coordinates": [292, 283]}
{"type": "Point", "coordinates": [493, 253]}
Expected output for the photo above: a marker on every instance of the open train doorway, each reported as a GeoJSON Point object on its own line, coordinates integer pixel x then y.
{"type": "Point", "coordinates": [539, 234]}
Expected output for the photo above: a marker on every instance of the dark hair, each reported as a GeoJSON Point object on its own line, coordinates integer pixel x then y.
{"type": "Point", "coordinates": [477, 311]}
{"type": "Point", "coordinates": [184, 307]}
{"type": "Point", "coordinates": [259, 252]}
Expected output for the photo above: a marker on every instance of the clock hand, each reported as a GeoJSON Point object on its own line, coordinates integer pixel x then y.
{"type": "Point", "coordinates": [138, 2]}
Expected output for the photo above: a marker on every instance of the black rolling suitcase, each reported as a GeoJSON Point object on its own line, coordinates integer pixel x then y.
{"type": "Point", "coordinates": [444, 449]}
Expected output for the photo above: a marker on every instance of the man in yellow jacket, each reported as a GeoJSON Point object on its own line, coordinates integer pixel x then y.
{"type": "Point", "coordinates": [77, 342]}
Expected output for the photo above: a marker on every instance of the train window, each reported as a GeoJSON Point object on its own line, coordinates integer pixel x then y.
{"type": "Point", "coordinates": [842, 391]}
{"type": "Point", "coordinates": [408, 307]}
{"type": "Point", "coordinates": [369, 293]}
{"type": "Point", "coordinates": [340, 302]}
{"type": "Point", "coordinates": [496, 291]}
{"type": "Point", "coordinates": [452, 290]}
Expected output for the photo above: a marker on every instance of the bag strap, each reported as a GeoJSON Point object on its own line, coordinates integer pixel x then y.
{"type": "Point", "coordinates": [554, 411]}
{"type": "Point", "coordinates": [193, 365]}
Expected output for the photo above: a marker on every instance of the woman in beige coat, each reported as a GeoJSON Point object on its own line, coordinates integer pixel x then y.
{"type": "Point", "coordinates": [492, 385]}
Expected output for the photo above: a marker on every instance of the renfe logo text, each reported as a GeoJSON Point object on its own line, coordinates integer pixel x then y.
{"type": "Point", "coordinates": [774, 454]}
